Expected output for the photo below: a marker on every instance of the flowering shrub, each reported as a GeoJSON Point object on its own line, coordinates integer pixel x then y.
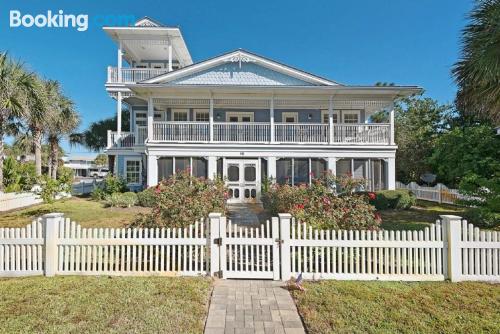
{"type": "Point", "coordinates": [321, 207]}
{"type": "Point", "coordinates": [182, 199]}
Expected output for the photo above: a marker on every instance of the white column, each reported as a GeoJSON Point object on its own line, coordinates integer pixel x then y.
{"type": "Point", "coordinates": [119, 61]}
{"type": "Point", "coordinates": [119, 114]}
{"type": "Point", "coordinates": [391, 173]}
{"type": "Point", "coordinates": [51, 226]}
{"type": "Point", "coordinates": [330, 120]}
{"type": "Point", "coordinates": [392, 140]}
{"type": "Point", "coordinates": [212, 168]}
{"type": "Point", "coordinates": [170, 56]}
{"type": "Point", "coordinates": [452, 234]}
{"type": "Point", "coordinates": [211, 119]}
{"type": "Point", "coordinates": [271, 119]}
{"type": "Point", "coordinates": [332, 165]}
{"type": "Point", "coordinates": [152, 170]}
{"type": "Point", "coordinates": [151, 114]}
{"type": "Point", "coordinates": [271, 168]}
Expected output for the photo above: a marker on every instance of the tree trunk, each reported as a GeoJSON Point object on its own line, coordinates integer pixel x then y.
{"type": "Point", "coordinates": [37, 138]}
{"type": "Point", "coordinates": [54, 158]}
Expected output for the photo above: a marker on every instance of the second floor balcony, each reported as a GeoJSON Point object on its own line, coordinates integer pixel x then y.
{"type": "Point", "coordinates": [254, 133]}
{"type": "Point", "coordinates": [132, 74]}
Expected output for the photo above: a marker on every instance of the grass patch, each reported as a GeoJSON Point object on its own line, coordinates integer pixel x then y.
{"type": "Point", "coordinates": [419, 216]}
{"type": "Point", "coordinates": [84, 211]}
{"type": "Point", "coordinates": [102, 304]}
{"type": "Point", "coordinates": [396, 307]}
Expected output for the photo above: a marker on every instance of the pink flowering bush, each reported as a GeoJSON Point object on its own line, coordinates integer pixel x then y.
{"type": "Point", "coordinates": [182, 199]}
{"type": "Point", "coordinates": [321, 207]}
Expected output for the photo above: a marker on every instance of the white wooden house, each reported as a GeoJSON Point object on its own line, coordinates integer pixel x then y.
{"type": "Point", "coordinates": [240, 116]}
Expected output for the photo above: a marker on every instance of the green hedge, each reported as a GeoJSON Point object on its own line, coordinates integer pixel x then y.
{"type": "Point", "coordinates": [147, 198]}
{"type": "Point", "coordinates": [400, 199]}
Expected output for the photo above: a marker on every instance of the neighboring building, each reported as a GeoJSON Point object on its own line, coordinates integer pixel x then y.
{"type": "Point", "coordinates": [240, 116]}
{"type": "Point", "coordinates": [81, 165]}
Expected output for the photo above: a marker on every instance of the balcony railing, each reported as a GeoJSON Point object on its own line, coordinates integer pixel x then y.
{"type": "Point", "coordinates": [132, 75]}
{"type": "Point", "coordinates": [284, 133]}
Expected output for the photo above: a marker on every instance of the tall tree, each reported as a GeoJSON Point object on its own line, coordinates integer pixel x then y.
{"type": "Point", "coordinates": [477, 73]}
{"type": "Point", "coordinates": [95, 137]}
{"type": "Point", "coordinates": [15, 84]}
{"type": "Point", "coordinates": [39, 104]}
{"type": "Point", "coordinates": [64, 119]}
{"type": "Point", "coordinates": [418, 122]}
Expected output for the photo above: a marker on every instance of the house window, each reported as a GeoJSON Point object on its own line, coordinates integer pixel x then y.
{"type": "Point", "coordinates": [180, 115]}
{"type": "Point", "coordinates": [133, 171]}
{"type": "Point", "coordinates": [141, 119]}
{"type": "Point", "coordinates": [201, 116]}
{"type": "Point", "coordinates": [350, 117]}
{"type": "Point", "coordinates": [290, 117]}
{"type": "Point", "coordinates": [335, 116]}
{"type": "Point", "coordinates": [234, 117]}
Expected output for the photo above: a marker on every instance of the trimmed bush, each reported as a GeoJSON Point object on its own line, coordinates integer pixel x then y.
{"type": "Point", "coordinates": [147, 198]}
{"type": "Point", "coordinates": [98, 194]}
{"type": "Point", "coordinates": [400, 199]}
{"type": "Point", "coordinates": [114, 184]}
{"type": "Point", "coordinates": [319, 206]}
{"type": "Point", "coordinates": [122, 200]}
{"type": "Point", "coordinates": [183, 199]}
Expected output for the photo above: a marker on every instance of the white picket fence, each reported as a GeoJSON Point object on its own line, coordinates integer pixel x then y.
{"type": "Point", "coordinates": [439, 193]}
{"type": "Point", "coordinates": [279, 249]}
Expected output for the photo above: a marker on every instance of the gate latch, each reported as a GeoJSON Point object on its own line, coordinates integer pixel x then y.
{"type": "Point", "coordinates": [279, 241]}
{"type": "Point", "coordinates": [218, 241]}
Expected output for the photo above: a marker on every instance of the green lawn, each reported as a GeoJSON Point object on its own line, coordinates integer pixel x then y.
{"type": "Point", "coordinates": [394, 307]}
{"type": "Point", "coordinates": [419, 216]}
{"type": "Point", "coordinates": [103, 305]}
{"type": "Point", "coordinates": [84, 211]}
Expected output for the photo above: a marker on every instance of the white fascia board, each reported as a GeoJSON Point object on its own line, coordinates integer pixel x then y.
{"type": "Point", "coordinates": [165, 78]}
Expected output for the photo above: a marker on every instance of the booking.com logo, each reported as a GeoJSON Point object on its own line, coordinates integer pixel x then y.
{"type": "Point", "coordinates": [61, 20]}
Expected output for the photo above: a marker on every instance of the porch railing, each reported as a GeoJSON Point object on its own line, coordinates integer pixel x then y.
{"type": "Point", "coordinates": [181, 131]}
{"type": "Point", "coordinates": [131, 75]}
{"type": "Point", "coordinates": [361, 133]}
{"type": "Point", "coordinates": [284, 133]}
{"type": "Point", "coordinates": [301, 133]}
{"type": "Point", "coordinates": [242, 132]}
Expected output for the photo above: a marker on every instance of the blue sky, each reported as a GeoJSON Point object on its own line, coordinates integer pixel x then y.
{"type": "Point", "coordinates": [355, 42]}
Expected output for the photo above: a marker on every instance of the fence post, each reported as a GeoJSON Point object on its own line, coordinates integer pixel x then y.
{"type": "Point", "coordinates": [275, 226]}
{"type": "Point", "coordinates": [214, 221]}
{"type": "Point", "coordinates": [285, 219]}
{"type": "Point", "coordinates": [453, 234]}
{"type": "Point", "coordinates": [222, 247]}
{"type": "Point", "coordinates": [440, 195]}
{"type": "Point", "coordinates": [51, 236]}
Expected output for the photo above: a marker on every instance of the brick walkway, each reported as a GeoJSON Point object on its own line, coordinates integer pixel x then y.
{"type": "Point", "coordinates": [242, 306]}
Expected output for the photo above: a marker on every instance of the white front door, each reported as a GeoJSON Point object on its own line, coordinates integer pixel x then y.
{"type": "Point", "coordinates": [243, 180]}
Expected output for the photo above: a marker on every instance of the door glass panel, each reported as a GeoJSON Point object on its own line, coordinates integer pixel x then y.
{"type": "Point", "coordinates": [250, 173]}
{"type": "Point", "coordinates": [236, 193]}
{"type": "Point", "coordinates": [253, 193]}
{"type": "Point", "coordinates": [247, 193]}
{"type": "Point", "coordinates": [233, 173]}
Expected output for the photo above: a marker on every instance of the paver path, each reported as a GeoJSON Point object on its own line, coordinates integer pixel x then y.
{"type": "Point", "coordinates": [247, 214]}
{"type": "Point", "coordinates": [244, 306]}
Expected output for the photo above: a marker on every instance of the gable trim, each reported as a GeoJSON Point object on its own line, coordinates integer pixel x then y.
{"type": "Point", "coordinates": [241, 56]}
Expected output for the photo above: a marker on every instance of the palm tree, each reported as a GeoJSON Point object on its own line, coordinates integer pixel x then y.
{"type": "Point", "coordinates": [39, 103]}
{"type": "Point", "coordinates": [15, 85]}
{"type": "Point", "coordinates": [64, 119]}
{"type": "Point", "coordinates": [477, 73]}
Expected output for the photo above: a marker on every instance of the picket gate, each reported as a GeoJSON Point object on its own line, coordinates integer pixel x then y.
{"type": "Point", "coordinates": [278, 249]}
